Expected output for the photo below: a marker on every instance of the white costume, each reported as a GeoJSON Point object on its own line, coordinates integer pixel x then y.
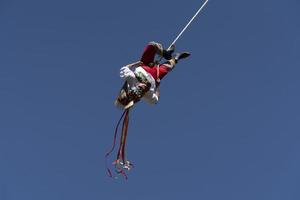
{"type": "Point", "coordinates": [129, 75]}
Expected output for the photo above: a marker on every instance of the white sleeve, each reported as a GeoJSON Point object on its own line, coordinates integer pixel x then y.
{"type": "Point", "coordinates": [126, 73]}
{"type": "Point", "coordinates": [151, 97]}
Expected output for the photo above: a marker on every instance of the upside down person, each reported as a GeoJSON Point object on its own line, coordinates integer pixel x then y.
{"type": "Point", "coordinates": [142, 78]}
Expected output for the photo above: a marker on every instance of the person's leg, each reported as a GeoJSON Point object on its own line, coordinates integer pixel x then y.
{"type": "Point", "coordinates": [150, 51]}
{"type": "Point", "coordinates": [154, 48]}
{"type": "Point", "coordinates": [170, 64]}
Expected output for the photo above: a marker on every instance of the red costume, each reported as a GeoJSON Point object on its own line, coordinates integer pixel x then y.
{"type": "Point", "coordinates": [148, 60]}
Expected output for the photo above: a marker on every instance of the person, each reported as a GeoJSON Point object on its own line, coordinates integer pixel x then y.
{"type": "Point", "coordinates": [142, 78]}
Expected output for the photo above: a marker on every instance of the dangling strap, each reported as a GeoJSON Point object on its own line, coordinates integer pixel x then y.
{"type": "Point", "coordinates": [121, 151]}
{"type": "Point", "coordinates": [120, 164]}
{"type": "Point", "coordinates": [114, 144]}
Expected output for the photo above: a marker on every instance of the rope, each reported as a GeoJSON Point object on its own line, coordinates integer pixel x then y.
{"type": "Point", "coordinates": [179, 35]}
{"type": "Point", "coordinates": [188, 24]}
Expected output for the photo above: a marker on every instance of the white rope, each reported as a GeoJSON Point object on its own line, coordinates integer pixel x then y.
{"type": "Point", "coordinates": [188, 23]}
{"type": "Point", "coordinates": [178, 36]}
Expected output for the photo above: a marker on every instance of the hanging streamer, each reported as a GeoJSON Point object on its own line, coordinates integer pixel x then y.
{"type": "Point", "coordinates": [120, 164]}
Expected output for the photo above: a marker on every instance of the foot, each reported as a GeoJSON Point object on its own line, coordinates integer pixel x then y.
{"type": "Point", "coordinates": [182, 55]}
{"type": "Point", "coordinates": [167, 53]}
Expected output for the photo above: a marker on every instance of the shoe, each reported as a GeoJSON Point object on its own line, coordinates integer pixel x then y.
{"type": "Point", "coordinates": [167, 53]}
{"type": "Point", "coordinates": [182, 55]}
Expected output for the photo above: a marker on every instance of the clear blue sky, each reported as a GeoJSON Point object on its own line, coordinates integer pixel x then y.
{"type": "Point", "coordinates": [227, 125]}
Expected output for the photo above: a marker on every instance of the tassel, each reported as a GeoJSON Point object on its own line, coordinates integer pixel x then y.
{"type": "Point", "coordinates": [120, 164]}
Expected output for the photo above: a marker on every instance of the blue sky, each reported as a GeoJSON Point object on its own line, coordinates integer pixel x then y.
{"type": "Point", "coordinates": [226, 127]}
